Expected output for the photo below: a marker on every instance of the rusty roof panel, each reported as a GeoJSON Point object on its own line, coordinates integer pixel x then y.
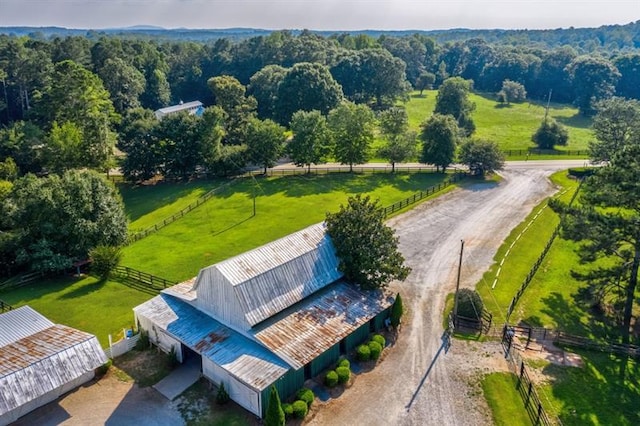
{"type": "Point", "coordinates": [242, 358]}
{"type": "Point", "coordinates": [20, 323]}
{"type": "Point", "coordinates": [44, 361]}
{"type": "Point", "coordinates": [275, 276]}
{"type": "Point", "coordinates": [308, 329]}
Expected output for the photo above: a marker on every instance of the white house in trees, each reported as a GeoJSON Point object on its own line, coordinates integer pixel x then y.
{"type": "Point", "coordinates": [278, 314]}
{"type": "Point", "coordinates": [194, 107]}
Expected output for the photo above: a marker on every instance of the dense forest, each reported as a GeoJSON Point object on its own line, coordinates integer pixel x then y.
{"type": "Point", "coordinates": [66, 103]}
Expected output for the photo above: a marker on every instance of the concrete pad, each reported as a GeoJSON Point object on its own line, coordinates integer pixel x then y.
{"type": "Point", "coordinates": [179, 380]}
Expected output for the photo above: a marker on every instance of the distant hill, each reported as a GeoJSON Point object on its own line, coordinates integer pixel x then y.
{"type": "Point", "coordinates": [608, 37]}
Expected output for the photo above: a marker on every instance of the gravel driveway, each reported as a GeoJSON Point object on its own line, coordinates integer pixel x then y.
{"type": "Point", "coordinates": [419, 383]}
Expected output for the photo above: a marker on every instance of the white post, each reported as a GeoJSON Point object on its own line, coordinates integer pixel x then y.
{"type": "Point", "coordinates": [111, 346]}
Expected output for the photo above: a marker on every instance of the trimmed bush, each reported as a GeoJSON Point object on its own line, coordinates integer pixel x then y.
{"type": "Point", "coordinates": [375, 349]}
{"type": "Point", "coordinates": [469, 304]}
{"type": "Point", "coordinates": [379, 338]}
{"type": "Point", "coordinates": [306, 395]}
{"type": "Point", "coordinates": [397, 310]}
{"type": "Point", "coordinates": [288, 410]}
{"type": "Point", "coordinates": [363, 353]}
{"type": "Point", "coordinates": [222, 397]}
{"type": "Point", "coordinates": [275, 415]}
{"type": "Point", "coordinates": [343, 374]}
{"type": "Point", "coordinates": [331, 379]}
{"type": "Point", "coordinates": [300, 409]}
{"type": "Point", "coordinates": [344, 363]}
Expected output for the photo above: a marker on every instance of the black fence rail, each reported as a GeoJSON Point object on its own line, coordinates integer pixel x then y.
{"type": "Point", "coordinates": [482, 324]}
{"type": "Point", "coordinates": [402, 204]}
{"type": "Point", "coordinates": [20, 280]}
{"type": "Point", "coordinates": [524, 384]}
{"type": "Point", "coordinates": [5, 307]}
{"type": "Point", "coordinates": [341, 169]}
{"type": "Point", "coordinates": [529, 152]}
{"type": "Point", "coordinates": [147, 281]}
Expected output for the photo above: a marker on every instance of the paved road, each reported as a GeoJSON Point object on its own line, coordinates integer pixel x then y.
{"type": "Point", "coordinates": [416, 384]}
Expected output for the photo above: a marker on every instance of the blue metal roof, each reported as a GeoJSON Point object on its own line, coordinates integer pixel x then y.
{"type": "Point", "coordinates": [244, 359]}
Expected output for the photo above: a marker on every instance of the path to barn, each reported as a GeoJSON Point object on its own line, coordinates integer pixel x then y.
{"type": "Point", "coordinates": [418, 383]}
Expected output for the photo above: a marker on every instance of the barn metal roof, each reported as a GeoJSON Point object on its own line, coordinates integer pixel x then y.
{"type": "Point", "coordinates": [19, 323]}
{"type": "Point", "coordinates": [44, 361]}
{"type": "Point", "coordinates": [179, 107]}
{"type": "Point", "coordinates": [310, 328]}
{"type": "Point", "coordinates": [271, 278]}
{"type": "Point", "coordinates": [245, 360]}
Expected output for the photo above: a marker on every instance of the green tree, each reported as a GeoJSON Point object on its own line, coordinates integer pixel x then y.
{"type": "Point", "coordinates": [312, 140]}
{"type": "Point", "coordinates": [629, 83]}
{"type": "Point", "coordinates": [425, 81]}
{"type": "Point", "coordinates": [275, 414]}
{"type": "Point", "coordinates": [104, 259]}
{"type": "Point", "coordinates": [512, 91]}
{"type": "Point", "coordinates": [400, 142]}
{"type": "Point", "coordinates": [307, 87]}
{"type": "Point", "coordinates": [263, 86]}
{"type": "Point", "coordinates": [23, 141]}
{"type": "Point", "coordinates": [59, 219]}
{"type": "Point", "coordinates": [481, 156]}
{"type": "Point", "coordinates": [453, 99]}
{"type": "Point", "coordinates": [550, 134]}
{"type": "Point", "coordinates": [63, 150]}
{"type": "Point", "coordinates": [352, 129]}
{"type": "Point", "coordinates": [593, 79]}
{"type": "Point", "coordinates": [470, 304]}
{"type": "Point", "coordinates": [615, 125]}
{"type": "Point", "coordinates": [124, 82]}
{"type": "Point", "coordinates": [77, 96]}
{"type": "Point", "coordinates": [606, 225]}
{"type": "Point", "coordinates": [397, 310]}
{"type": "Point", "coordinates": [367, 249]}
{"type": "Point", "coordinates": [265, 142]}
{"type": "Point", "coordinates": [230, 95]}
{"type": "Point", "coordinates": [440, 135]}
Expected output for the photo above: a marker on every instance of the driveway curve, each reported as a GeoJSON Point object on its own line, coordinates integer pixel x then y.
{"type": "Point", "coordinates": [419, 383]}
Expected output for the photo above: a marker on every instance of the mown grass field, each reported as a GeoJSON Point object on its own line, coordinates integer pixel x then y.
{"type": "Point", "coordinates": [225, 225]}
{"type": "Point", "coordinates": [503, 399]}
{"type": "Point", "coordinates": [606, 390]}
{"type": "Point", "coordinates": [510, 126]}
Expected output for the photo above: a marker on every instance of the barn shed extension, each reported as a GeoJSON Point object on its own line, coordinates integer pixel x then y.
{"type": "Point", "coordinates": [40, 361]}
{"type": "Point", "coordinates": [278, 314]}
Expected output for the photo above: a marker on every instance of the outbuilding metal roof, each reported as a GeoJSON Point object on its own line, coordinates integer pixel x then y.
{"type": "Point", "coordinates": [245, 360]}
{"type": "Point", "coordinates": [307, 330]}
{"type": "Point", "coordinates": [273, 277]}
{"type": "Point", "coordinates": [46, 360]}
{"type": "Point", "coordinates": [19, 323]}
{"type": "Point", "coordinates": [179, 107]}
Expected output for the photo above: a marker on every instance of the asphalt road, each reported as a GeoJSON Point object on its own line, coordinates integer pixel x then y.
{"type": "Point", "coordinates": [418, 383]}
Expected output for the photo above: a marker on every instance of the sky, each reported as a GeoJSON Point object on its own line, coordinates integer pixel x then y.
{"type": "Point", "coordinates": [320, 14]}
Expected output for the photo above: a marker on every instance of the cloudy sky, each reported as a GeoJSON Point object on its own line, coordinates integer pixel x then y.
{"type": "Point", "coordinates": [319, 14]}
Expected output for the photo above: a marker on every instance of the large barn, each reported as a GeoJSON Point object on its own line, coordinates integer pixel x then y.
{"type": "Point", "coordinates": [40, 361]}
{"type": "Point", "coordinates": [278, 314]}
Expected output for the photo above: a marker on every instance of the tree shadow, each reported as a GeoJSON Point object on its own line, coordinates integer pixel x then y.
{"type": "Point", "coordinates": [577, 120]}
{"type": "Point", "coordinates": [503, 106]}
{"type": "Point", "coordinates": [573, 316]}
{"type": "Point", "coordinates": [84, 290]}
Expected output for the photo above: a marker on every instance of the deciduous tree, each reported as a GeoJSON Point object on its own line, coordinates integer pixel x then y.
{"type": "Point", "coordinates": [312, 140]}
{"type": "Point", "coordinates": [352, 128]}
{"type": "Point", "coordinates": [481, 156]}
{"type": "Point", "coordinates": [453, 99]}
{"type": "Point", "coordinates": [550, 134]}
{"type": "Point", "coordinates": [265, 140]}
{"type": "Point", "coordinates": [593, 79]}
{"type": "Point", "coordinates": [616, 124]}
{"type": "Point", "coordinates": [367, 249]}
{"type": "Point", "coordinates": [440, 136]}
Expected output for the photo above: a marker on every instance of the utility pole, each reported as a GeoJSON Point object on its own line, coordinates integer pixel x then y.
{"type": "Point", "coordinates": [455, 303]}
{"type": "Point", "coordinates": [546, 110]}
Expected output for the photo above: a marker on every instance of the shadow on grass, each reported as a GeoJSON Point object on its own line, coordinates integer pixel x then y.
{"type": "Point", "coordinates": [578, 120]}
{"type": "Point", "coordinates": [503, 106]}
{"type": "Point", "coordinates": [84, 290]}
{"type": "Point", "coordinates": [604, 392]}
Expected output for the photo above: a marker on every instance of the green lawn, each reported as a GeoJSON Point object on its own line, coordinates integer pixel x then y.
{"type": "Point", "coordinates": [100, 308]}
{"type": "Point", "coordinates": [224, 226]}
{"type": "Point", "coordinates": [507, 408]}
{"type": "Point", "coordinates": [510, 126]}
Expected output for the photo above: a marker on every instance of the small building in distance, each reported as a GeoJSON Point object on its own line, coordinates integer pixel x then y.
{"type": "Point", "coordinates": [194, 107]}
{"type": "Point", "coordinates": [279, 314]}
{"type": "Point", "coordinates": [40, 361]}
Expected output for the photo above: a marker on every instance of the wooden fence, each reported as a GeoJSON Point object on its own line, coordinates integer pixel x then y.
{"type": "Point", "coordinates": [149, 282]}
{"type": "Point", "coordinates": [456, 177]}
{"type": "Point", "coordinates": [524, 385]}
{"type": "Point", "coordinates": [121, 347]}
{"type": "Point", "coordinates": [20, 280]}
{"type": "Point", "coordinates": [525, 152]}
{"type": "Point", "coordinates": [341, 169]}
{"type": "Point", "coordinates": [5, 307]}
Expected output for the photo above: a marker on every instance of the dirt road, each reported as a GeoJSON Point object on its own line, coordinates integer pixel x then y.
{"type": "Point", "coordinates": [419, 383]}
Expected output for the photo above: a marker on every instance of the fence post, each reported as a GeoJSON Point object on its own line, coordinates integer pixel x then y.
{"type": "Point", "coordinates": [539, 414]}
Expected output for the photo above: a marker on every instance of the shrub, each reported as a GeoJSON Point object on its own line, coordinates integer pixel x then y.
{"type": "Point", "coordinates": [172, 358]}
{"type": "Point", "coordinates": [143, 342]}
{"type": "Point", "coordinates": [396, 311]}
{"type": "Point", "coordinates": [469, 304]}
{"type": "Point", "coordinates": [331, 379]}
{"type": "Point", "coordinates": [363, 353]}
{"type": "Point", "coordinates": [275, 415]}
{"type": "Point", "coordinates": [343, 374]}
{"type": "Point", "coordinates": [300, 409]}
{"type": "Point", "coordinates": [306, 395]}
{"type": "Point", "coordinates": [379, 338]}
{"type": "Point", "coordinates": [104, 259]}
{"type": "Point", "coordinates": [375, 349]}
{"type": "Point", "coordinates": [344, 363]}
{"type": "Point", "coordinates": [102, 370]}
{"type": "Point", "coordinates": [288, 410]}
{"type": "Point", "coordinates": [222, 397]}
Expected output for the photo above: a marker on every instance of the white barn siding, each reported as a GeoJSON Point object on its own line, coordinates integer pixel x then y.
{"type": "Point", "coordinates": [238, 391]}
{"type": "Point", "coordinates": [216, 297]}
{"type": "Point", "coordinates": [158, 336]}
